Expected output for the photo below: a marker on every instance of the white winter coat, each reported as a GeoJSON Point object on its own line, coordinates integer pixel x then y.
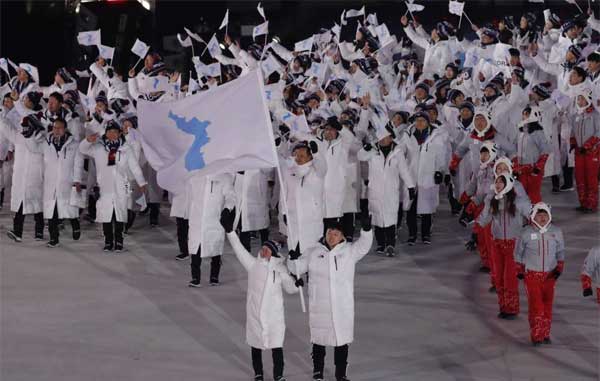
{"type": "Point", "coordinates": [252, 199]}
{"type": "Point", "coordinates": [28, 167]}
{"type": "Point", "coordinates": [386, 177]}
{"type": "Point", "coordinates": [61, 169]}
{"type": "Point", "coordinates": [113, 180]}
{"type": "Point", "coordinates": [303, 192]}
{"type": "Point", "coordinates": [423, 161]}
{"type": "Point", "coordinates": [331, 288]}
{"type": "Point", "coordinates": [265, 317]}
{"type": "Point", "coordinates": [208, 196]}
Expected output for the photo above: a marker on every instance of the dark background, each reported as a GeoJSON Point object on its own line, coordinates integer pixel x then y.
{"type": "Point", "coordinates": [43, 33]}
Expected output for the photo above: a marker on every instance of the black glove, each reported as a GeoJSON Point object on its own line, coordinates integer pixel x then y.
{"type": "Point", "coordinates": [520, 276]}
{"type": "Point", "coordinates": [587, 292]}
{"type": "Point", "coordinates": [283, 129]}
{"type": "Point", "coordinates": [299, 281]}
{"type": "Point", "coordinates": [277, 142]}
{"type": "Point", "coordinates": [465, 218]}
{"type": "Point", "coordinates": [582, 151]}
{"type": "Point", "coordinates": [227, 218]}
{"type": "Point", "coordinates": [556, 274]}
{"type": "Point", "coordinates": [412, 193]}
{"type": "Point", "coordinates": [367, 147]}
{"type": "Point", "coordinates": [453, 172]}
{"type": "Point", "coordinates": [365, 222]}
{"type": "Point", "coordinates": [294, 254]}
{"type": "Point", "coordinates": [285, 219]}
{"type": "Point", "coordinates": [314, 148]}
{"type": "Point", "coordinates": [472, 244]}
{"type": "Point", "coordinates": [536, 171]}
{"type": "Point", "coordinates": [366, 182]}
{"type": "Point", "coordinates": [447, 179]}
{"type": "Point", "coordinates": [438, 178]}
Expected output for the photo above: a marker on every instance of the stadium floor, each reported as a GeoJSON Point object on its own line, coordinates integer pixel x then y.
{"type": "Point", "coordinates": [75, 313]}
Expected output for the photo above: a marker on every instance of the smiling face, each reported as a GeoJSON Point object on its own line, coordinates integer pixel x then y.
{"type": "Point", "coordinates": [302, 156]}
{"type": "Point", "coordinates": [113, 134]}
{"type": "Point", "coordinates": [581, 101]}
{"type": "Point", "coordinates": [484, 156]}
{"type": "Point", "coordinates": [480, 122]}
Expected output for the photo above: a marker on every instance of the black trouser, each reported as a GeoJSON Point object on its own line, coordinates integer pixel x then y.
{"type": "Point", "coordinates": [113, 231]}
{"type": "Point", "coordinates": [385, 236]}
{"type": "Point", "coordinates": [130, 219]}
{"type": "Point", "coordinates": [400, 214]}
{"type": "Point", "coordinates": [19, 220]}
{"type": "Point", "coordinates": [257, 364]}
{"type": "Point", "coordinates": [347, 221]}
{"type": "Point", "coordinates": [555, 182]}
{"type": "Point", "coordinates": [340, 359]}
{"type": "Point", "coordinates": [329, 222]}
{"type": "Point", "coordinates": [215, 266]}
{"type": "Point", "coordinates": [54, 222]}
{"type": "Point", "coordinates": [411, 221]}
{"type": "Point", "coordinates": [154, 208]}
{"type": "Point", "coordinates": [1, 197]}
{"type": "Point", "coordinates": [183, 227]}
{"type": "Point", "coordinates": [567, 176]}
{"type": "Point", "coordinates": [92, 199]}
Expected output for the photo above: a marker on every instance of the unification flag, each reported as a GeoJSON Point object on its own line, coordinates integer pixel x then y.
{"type": "Point", "coordinates": [90, 38]}
{"type": "Point", "coordinates": [226, 129]}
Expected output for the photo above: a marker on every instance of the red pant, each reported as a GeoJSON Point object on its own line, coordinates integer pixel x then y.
{"type": "Point", "coordinates": [540, 295]}
{"type": "Point", "coordinates": [485, 247]}
{"type": "Point", "coordinates": [533, 185]}
{"type": "Point", "coordinates": [507, 284]}
{"type": "Point", "coordinates": [586, 176]}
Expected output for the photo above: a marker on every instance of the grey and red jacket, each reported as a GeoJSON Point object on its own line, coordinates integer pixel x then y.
{"type": "Point", "coordinates": [542, 252]}
{"type": "Point", "coordinates": [586, 130]}
{"type": "Point", "coordinates": [533, 150]}
{"type": "Point", "coordinates": [590, 272]}
{"type": "Point", "coordinates": [505, 226]}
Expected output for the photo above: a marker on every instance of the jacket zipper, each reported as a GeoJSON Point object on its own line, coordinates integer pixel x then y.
{"type": "Point", "coordinates": [273, 276]}
{"type": "Point", "coordinates": [335, 260]}
{"type": "Point", "coordinates": [504, 219]}
{"type": "Point", "coordinates": [211, 187]}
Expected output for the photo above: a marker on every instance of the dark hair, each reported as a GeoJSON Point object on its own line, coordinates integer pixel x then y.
{"type": "Point", "coordinates": [64, 122]}
{"type": "Point", "coordinates": [594, 57]}
{"type": "Point", "coordinates": [510, 202]}
{"type": "Point", "coordinates": [58, 96]}
{"type": "Point", "coordinates": [580, 71]}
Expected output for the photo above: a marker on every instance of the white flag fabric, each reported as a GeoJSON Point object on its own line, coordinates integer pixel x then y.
{"type": "Point", "coordinates": [261, 11]}
{"type": "Point", "coordinates": [185, 42]}
{"type": "Point", "coordinates": [536, 1]}
{"type": "Point", "coordinates": [274, 92]}
{"type": "Point", "coordinates": [154, 84]}
{"type": "Point", "coordinates": [212, 70]}
{"type": "Point", "coordinates": [415, 7]}
{"type": "Point", "coordinates": [372, 19]}
{"type": "Point", "coordinates": [139, 48]}
{"type": "Point", "coordinates": [213, 46]}
{"type": "Point", "coordinates": [571, 2]}
{"type": "Point", "coordinates": [260, 29]}
{"type": "Point", "coordinates": [270, 65]}
{"type": "Point", "coordinates": [304, 44]}
{"type": "Point", "coordinates": [4, 65]}
{"type": "Point", "coordinates": [90, 38]}
{"type": "Point", "coordinates": [194, 35]}
{"type": "Point", "coordinates": [317, 70]}
{"type": "Point", "coordinates": [226, 129]}
{"type": "Point", "coordinates": [88, 102]}
{"type": "Point", "coordinates": [297, 123]}
{"type": "Point", "coordinates": [106, 52]}
{"type": "Point", "coordinates": [383, 34]}
{"type": "Point", "coordinates": [355, 12]}
{"type": "Point", "coordinates": [456, 7]}
{"type": "Point", "coordinates": [336, 30]}
{"type": "Point", "coordinates": [547, 14]}
{"type": "Point", "coordinates": [225, 20]}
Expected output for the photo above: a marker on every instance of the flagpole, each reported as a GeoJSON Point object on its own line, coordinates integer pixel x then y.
{"type": "Point", "coordinates": [278, 168]}
{"type": "Point", "coordinates": [206, 47]}
{"type": "Point", "coordinates": [460, 19]}
{"type": "Point", "coordinates": [468, 19]}
{"type": "Point", "coordinates": [138, 61]}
